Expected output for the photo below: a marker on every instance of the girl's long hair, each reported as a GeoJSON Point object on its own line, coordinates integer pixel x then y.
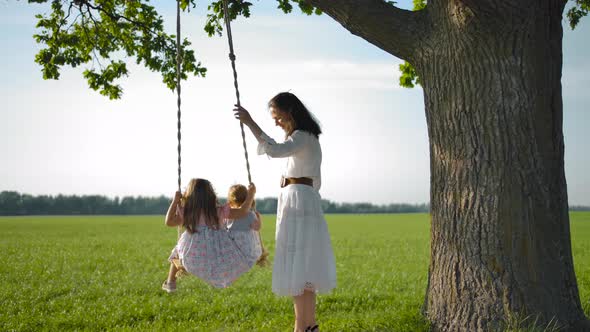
{"type": "Point", "coordinates": [200, 201]}
{"type": "Point", "coordinates": [302, 117]}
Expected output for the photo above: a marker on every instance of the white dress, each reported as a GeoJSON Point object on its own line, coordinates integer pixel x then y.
{"type": "Point", "coordinates": [304, 259]}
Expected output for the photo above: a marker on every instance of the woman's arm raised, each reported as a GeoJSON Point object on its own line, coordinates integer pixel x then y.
{"type": "Point", "coordinates": [267, 145]}
{"type": "Point", "coordinates": [244, 116]}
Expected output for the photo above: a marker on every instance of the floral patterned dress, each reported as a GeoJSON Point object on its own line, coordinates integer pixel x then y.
{"type": "Point", "coordinates": [210, 254]}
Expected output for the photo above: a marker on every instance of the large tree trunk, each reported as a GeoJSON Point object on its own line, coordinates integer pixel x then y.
{"type": "Point", "coordinates": [500, 238]}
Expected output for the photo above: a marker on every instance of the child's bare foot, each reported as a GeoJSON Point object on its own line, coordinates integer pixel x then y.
{"type": "Point", "coordinates": [169, 286]}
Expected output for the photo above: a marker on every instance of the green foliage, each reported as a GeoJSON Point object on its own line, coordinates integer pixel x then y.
{"type": "Point", "coordinates": [419, 4]}
{"type": "Point", "coordinates": [409, 78]}
{"type": "Point", "coordinates": [580, 9]}
{"type": "Point", "coordinates": [102, 34]}
{"type": "Point", "coordinates": [215, 17]}
{"type": "Point", "coordinates": [103, 81]}
{"type": "Point", "coordinates": [287, 7]}
{"type": "Point", "coordinates": [184, 4]}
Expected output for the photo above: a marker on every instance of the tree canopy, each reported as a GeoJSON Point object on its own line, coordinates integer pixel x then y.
{"type": "Point", "coordinates": [102, 34]}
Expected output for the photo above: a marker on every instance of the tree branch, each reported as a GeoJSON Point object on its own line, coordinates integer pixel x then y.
{"type": "Point", "coordinates": [115, 17]}
{"type": "Point", "coordinates": [396, 31]}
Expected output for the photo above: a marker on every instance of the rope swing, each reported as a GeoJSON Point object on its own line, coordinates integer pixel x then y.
{"type": "Point", "coordinates": [178, 98]}
{"type": "Point", "coordinates": [232, 58]}
{"type": "Point", "coordinates": [262, 260]}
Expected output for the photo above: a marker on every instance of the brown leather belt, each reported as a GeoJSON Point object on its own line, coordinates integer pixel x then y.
{"type": "Point", "coordinates": [287, 181]}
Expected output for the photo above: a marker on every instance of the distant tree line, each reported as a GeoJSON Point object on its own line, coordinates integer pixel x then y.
{"type": "Point", "coordinates": [13, 203]}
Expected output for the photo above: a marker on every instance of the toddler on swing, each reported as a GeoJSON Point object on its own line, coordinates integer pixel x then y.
{"type": "Point", "coordinates": [246, 231]}
{"type": "Point", "coordinates": [205, 249]}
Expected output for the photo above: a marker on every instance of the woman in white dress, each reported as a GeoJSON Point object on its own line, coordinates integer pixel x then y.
{"type": "Point", "coordinates": [304, 261]}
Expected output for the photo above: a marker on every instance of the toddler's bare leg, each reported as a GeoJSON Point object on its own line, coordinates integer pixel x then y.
{"type": "Point", "coordinates": [172, 273]}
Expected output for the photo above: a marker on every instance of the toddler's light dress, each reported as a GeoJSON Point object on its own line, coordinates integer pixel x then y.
{"type": "Point", "coordinates": [246, 239]}
{"type": "Point", "coordinates": [210, 254]}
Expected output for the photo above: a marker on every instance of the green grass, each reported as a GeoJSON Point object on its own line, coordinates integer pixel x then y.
{"type": "Point", "coordinates": [104, 273]}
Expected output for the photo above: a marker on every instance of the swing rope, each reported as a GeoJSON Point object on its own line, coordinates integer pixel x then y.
{"type": "Point", "coordinates": [181, 270]}
{"type": "Point", "coordinates": [262, 261]}
{"type": "Point", "coordinates": [232, 58]}
{"type": "Point", "coordinates": [178, 98]}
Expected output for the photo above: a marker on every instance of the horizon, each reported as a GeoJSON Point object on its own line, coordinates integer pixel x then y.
{"type": "Point", "coordinates": [258, 198]}
{"type": "Point", "coordinates": [60, 136]}
{"type": "Point", "coordinates": [218, 196]}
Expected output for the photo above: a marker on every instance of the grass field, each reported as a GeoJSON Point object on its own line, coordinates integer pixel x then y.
{"type": "Point", "coordinates": [104, 273]}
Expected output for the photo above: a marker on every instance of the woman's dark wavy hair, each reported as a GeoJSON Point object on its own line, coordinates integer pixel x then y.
{"type": "Point", "coordinates": [304, 120]}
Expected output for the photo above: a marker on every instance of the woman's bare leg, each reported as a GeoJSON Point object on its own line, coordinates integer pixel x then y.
{"type": "Point", "coordinates": [299, 307]}
{"type": "Point", "coordinates": [310, 307]}
{"type": "Point", "coordinates": [304, 306]}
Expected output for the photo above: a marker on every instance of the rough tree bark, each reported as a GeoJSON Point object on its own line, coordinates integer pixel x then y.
{"type": "Point", "coordinates": [491, 74]}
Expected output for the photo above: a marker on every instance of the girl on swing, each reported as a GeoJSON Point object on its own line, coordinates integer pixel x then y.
{"type": "Point", "coordinates": [304, 261]}
{"type": "Point", "coordinates": [205, 249]}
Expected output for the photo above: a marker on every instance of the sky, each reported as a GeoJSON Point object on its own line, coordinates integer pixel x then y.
{"type": "Point", "coordinates": [62, 137]}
